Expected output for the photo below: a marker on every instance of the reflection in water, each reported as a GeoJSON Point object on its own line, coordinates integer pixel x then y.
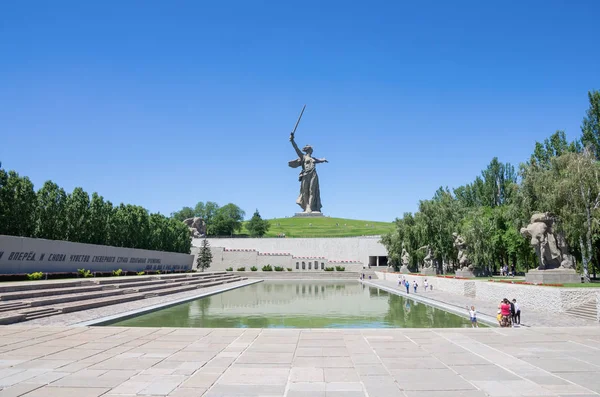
{"type": "Point", "coordinates": [300, 304]}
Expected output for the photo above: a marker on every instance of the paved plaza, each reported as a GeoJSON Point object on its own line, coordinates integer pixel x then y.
{"type": "Point", "coordinates": [114, 361]}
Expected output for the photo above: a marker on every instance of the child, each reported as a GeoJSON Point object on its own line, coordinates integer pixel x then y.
{"type": "Point", "coordinates": [425, 285]}
{"type": "Point", "coordinates": [499, 318]}
{"type": "Point", "coordinates": [415, 285]}
{"type": "Point", "coordinates": [473, 315]}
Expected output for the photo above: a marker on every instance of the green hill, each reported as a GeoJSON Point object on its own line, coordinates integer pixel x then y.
{"type": "Point", "coordinates": [325, 227]}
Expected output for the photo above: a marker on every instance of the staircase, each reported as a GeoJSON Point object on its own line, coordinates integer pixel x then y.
{"type": "Point", "coordinates": [588, 311]}
{"type": "Point", "coordinates": [43, 299]}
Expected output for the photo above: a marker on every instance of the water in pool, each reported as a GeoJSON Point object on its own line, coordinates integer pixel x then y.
{"type": "Point", "coordinates": [300, 304]}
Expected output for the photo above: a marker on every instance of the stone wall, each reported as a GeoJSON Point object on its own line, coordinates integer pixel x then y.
{"type": "Point", "coordinates": [226, 257]}
{"type": "Point", "coordinates": [20, 255]}
{"type": "Point", "coordinates": [549, 299]}
{"type": "Point", "coordinates": [355, 249]}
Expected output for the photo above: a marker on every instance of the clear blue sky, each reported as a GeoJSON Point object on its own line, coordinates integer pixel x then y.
{"type": "Point", "coordinates": [167, 103]}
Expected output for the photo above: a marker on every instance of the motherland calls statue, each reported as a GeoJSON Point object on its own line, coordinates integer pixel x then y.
{"type": "Point", "coordinates": [555, 264]}
{"type": "Point", "coordinates": [310, 195]}
{"type": "Point", "coordinates": [196, 226]}
{"type": "Point", "coordinates": [405, 260]}
{"type": "Point", "coordinates": [550, 246]}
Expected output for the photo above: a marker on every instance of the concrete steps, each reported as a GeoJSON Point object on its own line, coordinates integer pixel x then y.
{"type": "Point", "coordinates": [28, 294]}
{"type": "Point", "coordinates": [56, 298]}
{"type": "Point", "coordinates": [588, 311]}
{"type": "Point", "coordinates": [5, 307]}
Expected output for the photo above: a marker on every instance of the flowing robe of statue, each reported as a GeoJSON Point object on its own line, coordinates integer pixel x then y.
{"type": "Point", "coordinates": [309, 198]}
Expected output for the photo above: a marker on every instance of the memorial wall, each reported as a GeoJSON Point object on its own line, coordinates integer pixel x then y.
{"type": "Point", "coordinates": [27, 255]}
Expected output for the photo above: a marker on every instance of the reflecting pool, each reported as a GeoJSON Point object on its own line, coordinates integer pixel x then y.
{"type": "Point", "coordinates": [300, 304]}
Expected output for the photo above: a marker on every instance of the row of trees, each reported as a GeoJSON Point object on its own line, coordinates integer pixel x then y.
{"type": "Point", "coordinates": [225, 220]}
{"type": "Point", "coordinates": [561, 177]}
{"type": "Point", "coordinates": [51, 213]}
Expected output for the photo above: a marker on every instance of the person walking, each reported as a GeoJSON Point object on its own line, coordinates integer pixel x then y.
{"type": "Point", "coordinates": [473, 316]}
{"type": "Point", "coordinates": [425, 285]}
{"type": "Point", "coordinates": [407, 285]}
{"type": "Point", "coordinates": [517, 315]}
{"type": "Point", "coordinates": [415, 285]}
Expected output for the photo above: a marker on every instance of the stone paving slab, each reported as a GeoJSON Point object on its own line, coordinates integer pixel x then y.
{"type": "Point", "coordinates": [120, 361]}
{"type": "Point", "coordinates": [454, 302]}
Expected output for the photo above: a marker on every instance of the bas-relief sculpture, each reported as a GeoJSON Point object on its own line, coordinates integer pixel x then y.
{"type": "Point", "coordinates": [555, 265]}
{"type": "Point", "coordinates": [309, 198]}
{"type": "Point", "coordinates": [197, 227]}
{"type": "Point", "coordinates": [466, 268]}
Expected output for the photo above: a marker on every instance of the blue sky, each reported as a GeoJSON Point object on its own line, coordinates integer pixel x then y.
{"type": "Point", "coordinates": [167, 103]}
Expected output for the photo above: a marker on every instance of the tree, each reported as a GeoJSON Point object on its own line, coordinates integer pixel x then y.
{"type": "Point", "coordinates": [204, 256]}
{"type": "Point", "coordinates": [257, 226]}
{"type": "Point", "coordinates": [18, 203]}
{"type": "Point", "coordinates": [228, 219]}
{"type": "Point", "coordinates": [77, 211]}
{"type": "Point", "coordinates": [183, 214]}
{"type": "Point", "coordinates": [51, 212]}
{"type": "Point", "coordinates": [590, 127]}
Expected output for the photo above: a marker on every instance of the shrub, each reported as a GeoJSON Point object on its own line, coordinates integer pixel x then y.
{"type": "Point", "coordinates": [340, 268]}
{"type": "Point", "coordinates": [329, 269]}
{"type": "Point", "coordinates": [289, 269]}
{"type": "Point", "coordinates": [84, 273]}
{"type": "Point", "coordinates": [279, 269]}
{"type": "Point", "coordinates": [117, 273]}
{"type": "Point", "coordinates": [254, 268]}
{"type": "Point", "coordinates": [157, 272]}
{"type": "Point", "coordinates": [229, 269]}
{"type": "Point", "coordinates": [241, 269]}
{"type": "Point", "coordinates": [35, 276]}
{"type": "Point", "coordinates": [140, 273]}
{"type": "Point", "coordinates": [267, 268]}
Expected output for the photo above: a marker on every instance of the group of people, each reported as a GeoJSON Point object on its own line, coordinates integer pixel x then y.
{"type": "Point", "coordinates": [403, 282]}
{"type": "Point", "coordinates": [509, 313]}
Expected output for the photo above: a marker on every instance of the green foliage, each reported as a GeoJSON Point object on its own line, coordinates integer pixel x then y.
{"type": "Point", "coordinates": [279, 269]}
{"type": "Point", "coordinates": [229, 269]}
{"type": "Point", "coordinates": [561, 177]}
{"type": "Point", "coordinates": [241, 269]}
{"type": "Point", "coordinates": [340, 268]}
{"type": "Point", "coordinates": [227, 220]}
{"type": "Point", "coordinates": [35, 276]}
{"type": "Point", "coordinates": [289, 269]}
{"type": "Point", "coordinates": [254, 268]}
{"type": "Point", "coordinates": [84, 273]}
{"type": "Point", "coordinates": [140, 273]}
{"type": "Point", "coordinates": [323, 227]}
{"type": "Point", "coordinates": [204, 256]}
{"type": "Point", "coordinates": [52, 214]}
{"type": "Point", "coordinates": [329, 269]}
{"type": "Point", "coordinates": [267, 268]}
{"type": "Point", "coordinates": [256, 226]}
{"type": "Point", "coordinates": [117, 273]}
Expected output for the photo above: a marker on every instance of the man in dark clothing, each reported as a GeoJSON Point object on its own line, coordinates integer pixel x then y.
{"type": "Point", "coordinates": [512, 312]}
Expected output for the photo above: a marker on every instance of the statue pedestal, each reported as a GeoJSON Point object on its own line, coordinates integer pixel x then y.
{"type": "Point", "coordinates": [313, 214]}
{"type": "Point", "coordinates": [404, 269]}
{"type": "Point", "coordinates": [553, 276]}
{"type": "Point", "coordinates": [428, 271]}
{"type": "Point", "coordinates": [464, 274]}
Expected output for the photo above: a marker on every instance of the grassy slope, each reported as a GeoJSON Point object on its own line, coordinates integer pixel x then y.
{"type": "Point", "coordinates": [325, 227]}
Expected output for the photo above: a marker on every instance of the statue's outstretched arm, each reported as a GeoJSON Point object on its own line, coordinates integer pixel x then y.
{"type": "Point", "coordinates": [323, 160]}
{"type": "Point", "coordinates": [298, 152]}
